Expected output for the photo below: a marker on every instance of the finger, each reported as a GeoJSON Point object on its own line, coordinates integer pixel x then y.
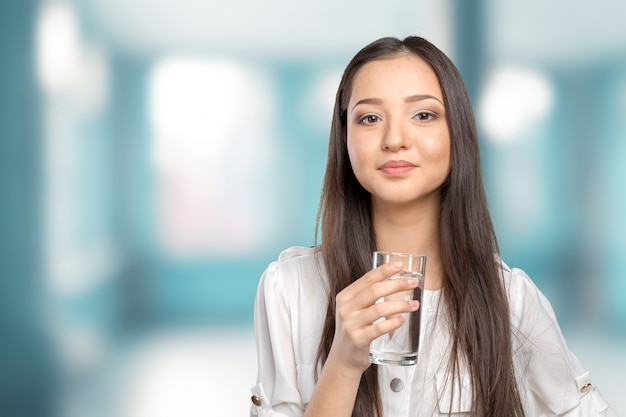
{"type": "Point", "coordinates": [399, 289]}
{"type": "Point", "coordinates": [388, 309]}
{"type": "Point", "coordinates": [385, 309]}
{"type": "Point", "coordinates": [396, 287]}
{"type": "Point", "coordinates": [371, 277]}
{"type": "Point", "coordinates": [382, 327]}
{"type": "Point", "coordinates": [364, 336]}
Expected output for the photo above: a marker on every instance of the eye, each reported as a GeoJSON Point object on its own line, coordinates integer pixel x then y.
{"type": "Point", "coordinates": [368, 119]}
{"type": "Point", "coordinates": [424, 116]}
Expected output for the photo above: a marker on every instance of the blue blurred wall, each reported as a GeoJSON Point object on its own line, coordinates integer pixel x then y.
{"type": "Point", "coordinates": [574, 251]}
{"type": "Point", "coordinates": [26, 368]}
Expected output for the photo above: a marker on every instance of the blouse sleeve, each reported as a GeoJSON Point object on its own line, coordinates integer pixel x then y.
{"type": "Point", "coordinates": [555, 382]}
{"type": "Point", "coordinates": [276, 393]}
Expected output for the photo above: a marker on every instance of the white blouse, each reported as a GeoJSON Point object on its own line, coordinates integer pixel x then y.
{"type": "Point", "coordinates": [290, 308]}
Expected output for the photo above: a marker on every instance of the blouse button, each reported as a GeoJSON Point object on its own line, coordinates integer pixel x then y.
{"type": "Point", "coordinates": [396, 385]}
{"type": "Point", "coordinates": [585, 387]}
{"type": "Point", "coordinates": [256, 400]}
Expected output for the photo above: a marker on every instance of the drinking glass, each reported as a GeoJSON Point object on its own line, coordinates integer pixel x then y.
{"type": "Point", "coordinates": [400, 347]}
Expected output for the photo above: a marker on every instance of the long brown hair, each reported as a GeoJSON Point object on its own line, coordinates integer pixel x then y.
{"type": "Point", "coordinates": [473, 294]}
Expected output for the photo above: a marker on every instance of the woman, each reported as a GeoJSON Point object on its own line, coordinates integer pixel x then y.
{"type": "Point", "coordinates": [403, 175]}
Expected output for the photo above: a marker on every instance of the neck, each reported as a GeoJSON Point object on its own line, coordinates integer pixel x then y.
{"type": "Point", "coordinates": [411, 229]}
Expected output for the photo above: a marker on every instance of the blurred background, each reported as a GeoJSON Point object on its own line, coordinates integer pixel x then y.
{"type": "Point", "coordinates": [156, 156]}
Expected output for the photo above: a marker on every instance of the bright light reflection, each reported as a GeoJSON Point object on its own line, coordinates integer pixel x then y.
{"type": "Point", "coordinates": [187, 374]}
{"type": "Point", "coordinates": [211, 152]}
{"type": "Point", "coordinates": [514, 101]}
{"type": "Point", "coordinates": [321, 97]}
{"type": "Point", "coordinates": [58, 46]}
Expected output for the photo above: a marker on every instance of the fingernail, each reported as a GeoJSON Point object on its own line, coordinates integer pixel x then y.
{"type": "Point", "coordinates": [414, 303]}
{"type": "Point", "coordinates": [411, 281]}
{"type": "Point", "coordinates": [396, 265]}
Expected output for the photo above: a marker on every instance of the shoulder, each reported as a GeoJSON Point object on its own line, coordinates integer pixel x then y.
{"type": "Point", "coordinates": [298, 254]}
{"type": "Point", "coordinates": [296, 260]}
{"type": "Point", "coordinates": [522, 293]}
{"type": "Point", "coordinates": [297, 269]}
{"type": "Point", "coordinates": [516, 281]}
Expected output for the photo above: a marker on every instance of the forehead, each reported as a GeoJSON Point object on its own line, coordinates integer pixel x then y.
{"type": "Point", "coordinates": [405, 74]}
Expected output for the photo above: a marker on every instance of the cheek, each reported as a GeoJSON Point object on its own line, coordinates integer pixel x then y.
{"type": "Point", "coordinates": [353, 154]}
{"type": "Point", "coordinates": [437, 150]}
{"type": "Point", "coordinates": [358, 158]}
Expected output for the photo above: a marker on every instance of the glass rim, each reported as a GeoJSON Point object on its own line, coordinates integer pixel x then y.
{"type": "Point", "coordinates": [405, 254]}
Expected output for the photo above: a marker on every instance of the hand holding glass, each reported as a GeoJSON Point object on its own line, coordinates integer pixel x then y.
{"type": "Point", "coordinates": [400, 347]}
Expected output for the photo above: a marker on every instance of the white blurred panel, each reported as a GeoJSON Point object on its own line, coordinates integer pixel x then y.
{"type": "Point", "coordinates": [515, 101]}
{"type": "Point", "coordinates": [556, 32]}
{"type": "Point", "coordinates": [212, 150]}
{"type": "Point", "coordinates": [187, 374]}
{"type": "Point", "coordinates": [276, 27]}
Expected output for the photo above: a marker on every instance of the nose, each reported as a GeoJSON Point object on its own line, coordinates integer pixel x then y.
{"type": "Point", "coordinates": [395, 136]}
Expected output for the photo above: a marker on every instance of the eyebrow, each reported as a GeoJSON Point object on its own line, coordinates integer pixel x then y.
{"type": "Point", "coordinates": [409, 99]}
{"type": "Point", "coordinates": [420, 97]}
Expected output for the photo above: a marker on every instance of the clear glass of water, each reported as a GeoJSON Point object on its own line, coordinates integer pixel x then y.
{"type": "Point", "coordinates": [400, 347]}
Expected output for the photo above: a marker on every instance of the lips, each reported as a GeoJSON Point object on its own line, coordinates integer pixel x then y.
{"type": "Point", "coordinates": [395, 168]}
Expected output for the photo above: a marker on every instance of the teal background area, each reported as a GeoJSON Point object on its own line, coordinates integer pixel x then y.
{"type": "Point", "coordinates": [99, 317]}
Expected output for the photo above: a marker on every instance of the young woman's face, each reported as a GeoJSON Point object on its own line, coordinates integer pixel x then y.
{"type": "Point", "coordinates": [397, 134]}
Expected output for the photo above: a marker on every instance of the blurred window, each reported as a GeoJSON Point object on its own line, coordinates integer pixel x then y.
{"type": "Point", "coordinates": [211, 124]}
